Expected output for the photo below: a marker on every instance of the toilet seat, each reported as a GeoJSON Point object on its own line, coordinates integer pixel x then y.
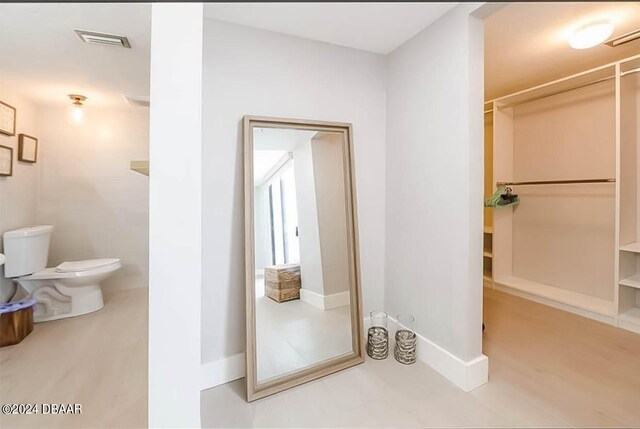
{"type": "Point", "coordinates": [82, 269]}
{"type": "Point", "coordinates": [89, 264]}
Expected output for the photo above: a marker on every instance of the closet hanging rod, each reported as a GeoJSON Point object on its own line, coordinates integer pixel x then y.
{"type": "Point", "coordinates": [562, 91]}
{"type": "Point", "coordinates": [556, 182]}
{"type": "Point", "coordinates": [636, 70]}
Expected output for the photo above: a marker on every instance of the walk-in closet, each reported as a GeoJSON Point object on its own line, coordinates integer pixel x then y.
{"type": "Point", "coordinates": [569, 150]}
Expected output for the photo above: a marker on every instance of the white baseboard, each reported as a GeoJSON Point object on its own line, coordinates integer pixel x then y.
{"type": "Point", "coordinates": [467, 375]}
{"type": "Point", "coordinates": [336, 300]}
{"type": "Point", "coordinates": [325, 302]}
{"type": "Point", "coordinates": [222, 371]}
{"type": "Point", "coordinates": [312, 298]}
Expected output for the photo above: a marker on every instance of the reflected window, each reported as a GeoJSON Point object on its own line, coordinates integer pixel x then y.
{"type": "Point", "coordinates": [283, 212]}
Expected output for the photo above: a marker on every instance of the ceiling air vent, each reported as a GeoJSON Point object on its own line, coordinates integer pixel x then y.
{"type": "Point", "coordinates": [629, 37]}
{"type": "Point", "coordinates": [94, 38]}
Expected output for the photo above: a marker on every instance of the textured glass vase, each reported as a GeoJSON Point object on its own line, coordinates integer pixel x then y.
{"type": "Point", "coordinates": [378, 336]}
{"type": "Point", "coordinates": [405, 348]}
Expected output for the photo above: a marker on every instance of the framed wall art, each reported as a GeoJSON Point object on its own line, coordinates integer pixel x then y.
{"type": "Point", "coordinates": [6, 161]}
{"type": "Point", "coordinates": [7, 119]}
{"type": "Point", "coordinates": [27, 148]}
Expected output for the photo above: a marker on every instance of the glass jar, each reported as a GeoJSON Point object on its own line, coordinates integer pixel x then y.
{"type": "Point", "coordinates": [406, 340]}
{"type": "Point", "coordinates": [378, 335]}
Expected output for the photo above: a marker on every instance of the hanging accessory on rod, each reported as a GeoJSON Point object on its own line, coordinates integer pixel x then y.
{"type": "Point", "coordinates": [554, 182]}
{"type": "Point", "coordinates": [503, 197]}
{"type": "Point", "coordinates": [508, 198]}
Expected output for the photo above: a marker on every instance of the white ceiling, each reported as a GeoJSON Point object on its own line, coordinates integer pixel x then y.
{"type": "Point", "coordinates": [526, 43]}
{"type": "Point", "coordinates": [42, 56]}
{"type": "Point", "coordinates": [284, 139]}
{"type": "Point", "coordinates": [270, 145]}
{"type": "Point", "coordinates": [263, 163]}
{"type": "Point", "coordinates": [375, 27]}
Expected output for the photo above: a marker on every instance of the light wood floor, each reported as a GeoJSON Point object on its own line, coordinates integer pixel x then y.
{"type": "Point", "coordinates": [548, 368]}
{"type": "Point", "coordinates": [294, 334]}
{"type": "Point", "coordinates": [98, 360]}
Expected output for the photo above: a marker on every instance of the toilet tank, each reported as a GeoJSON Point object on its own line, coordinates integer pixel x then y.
{"type": "Point", "coordinates": [26, 250]}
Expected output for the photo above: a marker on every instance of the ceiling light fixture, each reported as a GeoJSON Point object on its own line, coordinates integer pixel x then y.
{"type": "Point", "coordinates": [591, 34]}
{"type": "Point", "coordinates": [77, 112]}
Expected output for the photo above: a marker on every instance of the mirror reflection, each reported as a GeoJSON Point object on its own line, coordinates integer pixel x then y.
{"type": "Point", "coordinates": [302, 278]}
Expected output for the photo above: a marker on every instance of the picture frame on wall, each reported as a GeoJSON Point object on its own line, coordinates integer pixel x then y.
{"type": "Point", "coordinates": [7, 119]}
{"type": "Point", "coordinates": [27, 148]}
{"type": "Point", "coordinates": [6, 161]}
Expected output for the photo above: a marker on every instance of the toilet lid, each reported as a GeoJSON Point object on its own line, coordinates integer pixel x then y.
{"type": "Point", "coordinates": [75, 266]}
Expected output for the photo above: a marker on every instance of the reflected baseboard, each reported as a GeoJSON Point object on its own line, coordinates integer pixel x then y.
{"type": "Point", "coordinates": [325, 302]}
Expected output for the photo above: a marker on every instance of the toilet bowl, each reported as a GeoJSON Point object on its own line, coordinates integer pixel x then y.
{"type": "Point", "coordinates": [67, 290]}
{"type": "Point", "coordinates": [70, 289]}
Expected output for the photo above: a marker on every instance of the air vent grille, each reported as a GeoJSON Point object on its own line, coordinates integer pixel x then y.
{"type": "Point", "coordinates": [94, 38]}
{"type": "Point", "coordinates": [629, 37]}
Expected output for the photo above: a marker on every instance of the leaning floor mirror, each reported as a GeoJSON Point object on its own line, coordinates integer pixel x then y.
{"type": "Point", "coordinates": [304, 309]}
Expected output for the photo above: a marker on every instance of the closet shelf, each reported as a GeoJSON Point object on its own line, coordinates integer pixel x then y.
{"type": "Point", "coordinates": [631, 247]}
{"type": "Point", "coordinates": [632, 316]}
{"type": "Point", "coordinates": [487, 254]}
{"type": "Point", "coordinates": [488, 230]}
{"type": "Point", "coordinates": [633, 281]}
{"type": "Point", "coordinates": [589, 303]}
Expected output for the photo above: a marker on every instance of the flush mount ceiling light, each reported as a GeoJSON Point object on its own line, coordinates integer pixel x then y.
{"type": "Point", "coordinates": [77, 112]}
{"type": "Point", "coordinates": [590, 35]}
{"type": "Point", "coordinates": [95, 38]}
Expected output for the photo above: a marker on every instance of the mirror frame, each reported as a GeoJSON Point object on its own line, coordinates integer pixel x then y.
{"type": "Point", "coordinates": [255, 389]}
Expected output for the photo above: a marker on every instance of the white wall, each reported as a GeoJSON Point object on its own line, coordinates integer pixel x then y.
{"type": "Point", "coordinates": [311, 275]}
{"type": "Point", "coordinates": [18, 193]}
{"type": "Point", "coordinates": [255, 72]}
{"type": "Point", "coordinates": [262, 226]}
{"type": "Point", "coordinates": [175, 214]}
{"type": "Point", "coordinates": [434, 188]}
{"type": "Point", "coordinates": [564, 235]}
{"type": "Point", "coordinates": [328, 171]}
{"type": "Point", "coordinates": [99, 207]}
{"type": "Point", "coordinates": [81, 184]}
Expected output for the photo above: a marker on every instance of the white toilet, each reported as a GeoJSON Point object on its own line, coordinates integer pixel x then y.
{"type": "Point", "coordinates": [70, 289]}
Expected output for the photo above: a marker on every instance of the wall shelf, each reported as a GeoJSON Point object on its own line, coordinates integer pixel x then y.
{"type": "Point", "coordinates": [631, 247]}
{"type": "Point", "coordinates": [141, 167]}
{"type": "Point", "coordinates": [563, 296]}
{"type": "Point", "coordinates": [487, 253]}
{"type": "Point", "coordinates": [632, 315]}
{"type": "Point", "coordinates": [633, 281]}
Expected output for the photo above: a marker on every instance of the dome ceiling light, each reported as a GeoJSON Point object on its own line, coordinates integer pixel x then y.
{"type": "Point", "coordinates": [591, 34]}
